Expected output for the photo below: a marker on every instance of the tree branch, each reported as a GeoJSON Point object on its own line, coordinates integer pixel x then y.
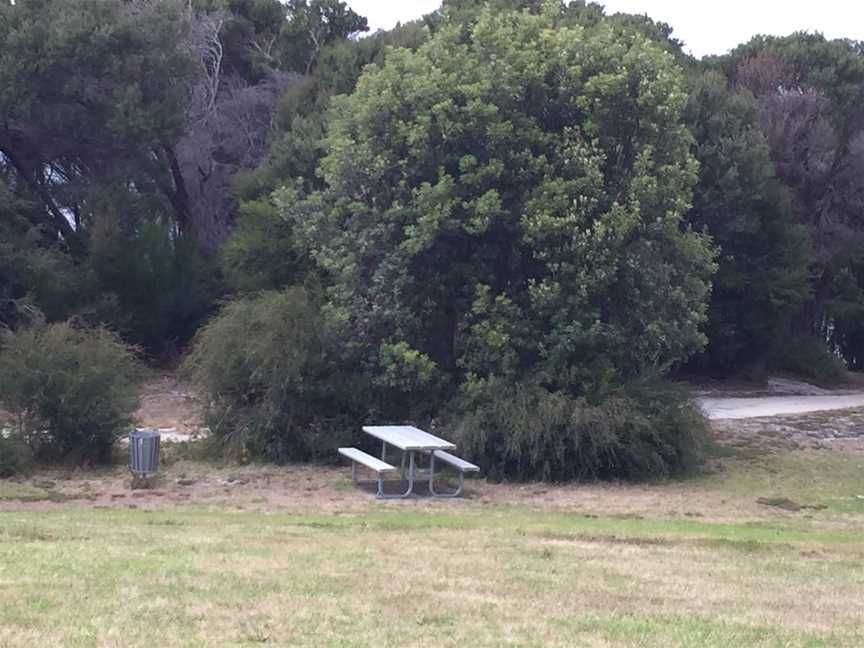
{"type": "Point", "coordinates": [55, 217]}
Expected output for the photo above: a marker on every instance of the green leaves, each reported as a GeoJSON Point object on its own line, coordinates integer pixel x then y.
{"type": "Point", "coordinates": [72, 390]}
{"type": "Point", "coordinates": [763, 277]}
{"type": "Point", "coordinates": [528, 176]}
{"type": "Point", "coordinates": [276, 383]}
{"type": "Point", "coordinates": [311, 25]}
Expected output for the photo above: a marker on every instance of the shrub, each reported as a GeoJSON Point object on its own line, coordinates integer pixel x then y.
{"type": "Point", "coordinates": [646, 429]}
{"type": "Point", "coordinates": [808, 358]}
{"type": "Point", "coordinates": [69, 389]}
{"type": "Point", "coordinates": [273, 386]}
{"type": "Point", "coordinates": [15, 457]}
{"type": "Point", "coordinates": [164, 287]}
{"type": "Point", "coordinates": [261, 253]}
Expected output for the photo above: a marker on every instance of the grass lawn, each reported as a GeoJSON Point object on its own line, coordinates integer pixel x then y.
{"type": "Point", "coordinates": [475, 573]}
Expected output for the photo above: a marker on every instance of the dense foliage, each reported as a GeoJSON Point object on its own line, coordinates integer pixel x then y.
{"type": "Point", "coordinates": [272, 379]}
{"type": "Point", "coordinates": [553, 252]}
{"type": "Point", "coordinates": [123, 126]}
{"type": "Point", "coordinates": [35, 272]}
{"type": "Point", "coordinates": [555, 245]}
{"type": "Point", "coordinates": [15, 456]}
{"type": "Point", "coordinates": [71, 391]}
{"type": "Point", "coordinates": [644, 429]}
{"type": "Point", "coordinates": [809, 91]}
{"type": "Point", "coordinates": [763, 278]}
{"type": "Point", "coordinates": [513, 217]}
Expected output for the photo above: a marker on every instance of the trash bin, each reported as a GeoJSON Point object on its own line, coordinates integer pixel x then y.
{"type": "Point", "coordinates": [143, 452]}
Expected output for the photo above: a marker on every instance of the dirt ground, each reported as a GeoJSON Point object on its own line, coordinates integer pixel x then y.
{"type": "Point", "coordinates": [171, 406]}
{"type": "Point", "coordinates": [174, 408]}
{"type": "Point", "coordinates": [837, 430]}
{"type": "Point", "coordinates": [328, 490]}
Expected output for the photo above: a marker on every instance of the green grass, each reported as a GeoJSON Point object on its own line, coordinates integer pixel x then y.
{"type": "Point", "coordinates": [630, 568]}
{"type": "Point", "coordinates": [505, 577]}
{"type": "Point", "coordinates": [15, 492]}
{"type": "Point", "coordinates": [817, 478]}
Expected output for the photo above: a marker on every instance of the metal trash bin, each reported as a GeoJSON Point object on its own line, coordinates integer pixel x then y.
{"type": "Point", "coordinates": [144, 452]}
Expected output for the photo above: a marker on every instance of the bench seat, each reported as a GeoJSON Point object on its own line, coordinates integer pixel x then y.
{"type": "Point", "coordinates": [372, 463]}
{"type": "Point", "coordinates": [457, 462]}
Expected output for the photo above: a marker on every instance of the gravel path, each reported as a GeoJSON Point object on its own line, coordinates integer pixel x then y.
{"type": "Point", "coordinates": [754, 407]}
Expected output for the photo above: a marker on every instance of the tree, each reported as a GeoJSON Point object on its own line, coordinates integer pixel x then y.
{"type": "Point", "coordinates": [249, 35]}
{"type": "Point", "coordinates": [261, 253]}
{"type": "Point", "coordinates": [763, 277]}
{"type": "Point", "coordinates": [844, 316]}
{"type": "Point", "coordinates": [137, 109]}
{"type": "Point", "coordinates": [810, 91]}
{"type": "Point", "coordinates": [92, 97]}
{"type": "Point", "coordinates": [224, 136]}
{"type": "Point", "coordinates": [125, 123]}
{"type": "Point", "coordinates": [506, 201]}
{"type": "Point", "coordinates": [36, 274]}
{"type": "Point", "coordinates": [311, 26]}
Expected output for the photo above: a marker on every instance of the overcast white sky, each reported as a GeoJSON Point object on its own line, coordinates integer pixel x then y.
{"type": "Point", "coordinates": [706, 27]}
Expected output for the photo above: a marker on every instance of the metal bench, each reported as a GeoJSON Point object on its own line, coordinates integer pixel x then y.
{"type": "Point", "coordinates": [372, 463]}
{"type": "Point", "coordinates": [459, 464]}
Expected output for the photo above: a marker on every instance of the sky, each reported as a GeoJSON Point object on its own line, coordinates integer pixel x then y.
{"type": "Point", "coordinates": [706, 27]}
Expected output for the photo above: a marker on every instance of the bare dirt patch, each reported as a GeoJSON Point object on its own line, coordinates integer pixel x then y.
{"type": "Point", "coordinates": [316, 489]}
{"type": "Point", "coordinates": [168, 403]}
{"type": "Point", "coordinates": [172, 406]}
{"type": "Point", "coordinates": [837, 429]}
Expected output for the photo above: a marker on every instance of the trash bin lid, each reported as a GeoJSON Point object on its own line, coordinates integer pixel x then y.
{"type": "Point", "coordinates": [144, 434]}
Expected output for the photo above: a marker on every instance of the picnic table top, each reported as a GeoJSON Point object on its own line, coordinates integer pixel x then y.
{"type": "Point", "coordinates": [408, 437]}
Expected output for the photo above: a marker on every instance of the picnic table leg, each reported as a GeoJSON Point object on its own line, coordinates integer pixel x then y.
{"type": "Point", "coordinates": [437, 495]}
{"type": "Point", "coordinates": [407, 493]}
{"type": "Point", "coordinates": [384, 451]}
{"type": "Point", "coordinates": [411, 472]}
{"type": "Point", "coordinates": [432, 473]}
{"type": "Point", "coordinates": [455, 493]}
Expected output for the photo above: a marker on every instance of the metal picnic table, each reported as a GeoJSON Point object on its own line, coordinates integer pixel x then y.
{"type": "Point", "coordinates": [410, 440]}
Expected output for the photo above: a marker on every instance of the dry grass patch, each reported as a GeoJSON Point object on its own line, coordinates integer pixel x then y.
{"type": "Point", "coordinates": [312, 561]}
{"type": "Point", "coordinates": [402, 578]}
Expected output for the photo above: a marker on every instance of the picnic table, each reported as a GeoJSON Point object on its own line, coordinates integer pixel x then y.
{"type": "Point", "coordinates": [411, 442]}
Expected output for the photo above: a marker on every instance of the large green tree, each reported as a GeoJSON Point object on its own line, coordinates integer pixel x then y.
{"type": "Point", "coordinates": [810, 91]}
{"type": "Point", "coordinates": [92, 100]}
{"type": "Point", "coordinates": [261, 252]}
{"type": "Point", "coordinates": [508, 200]}
{"type": "Point", "coordinates": [764, 276]}
{"type": "Point", "coordinates": [125, 123]}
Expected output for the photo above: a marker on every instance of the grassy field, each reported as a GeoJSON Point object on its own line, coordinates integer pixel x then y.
{"type": "Point", "coordinates": [485, 572]}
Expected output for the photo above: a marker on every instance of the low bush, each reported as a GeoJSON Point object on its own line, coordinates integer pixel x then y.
{"type": "Point", "coordinates": [809, 358]}
{"type": "Point", "coordinates": [15, 457]}
{"type": "Point", "coordinates": [646, 429]}
{"type": "Point", "coordinates": [272, 380]}
{"type": "Point", "coordinates": [261, 253]}
{"type": "Point", "coordinates": [70, 390]}
{"type": "Point", "coordinates": [160, 287]}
